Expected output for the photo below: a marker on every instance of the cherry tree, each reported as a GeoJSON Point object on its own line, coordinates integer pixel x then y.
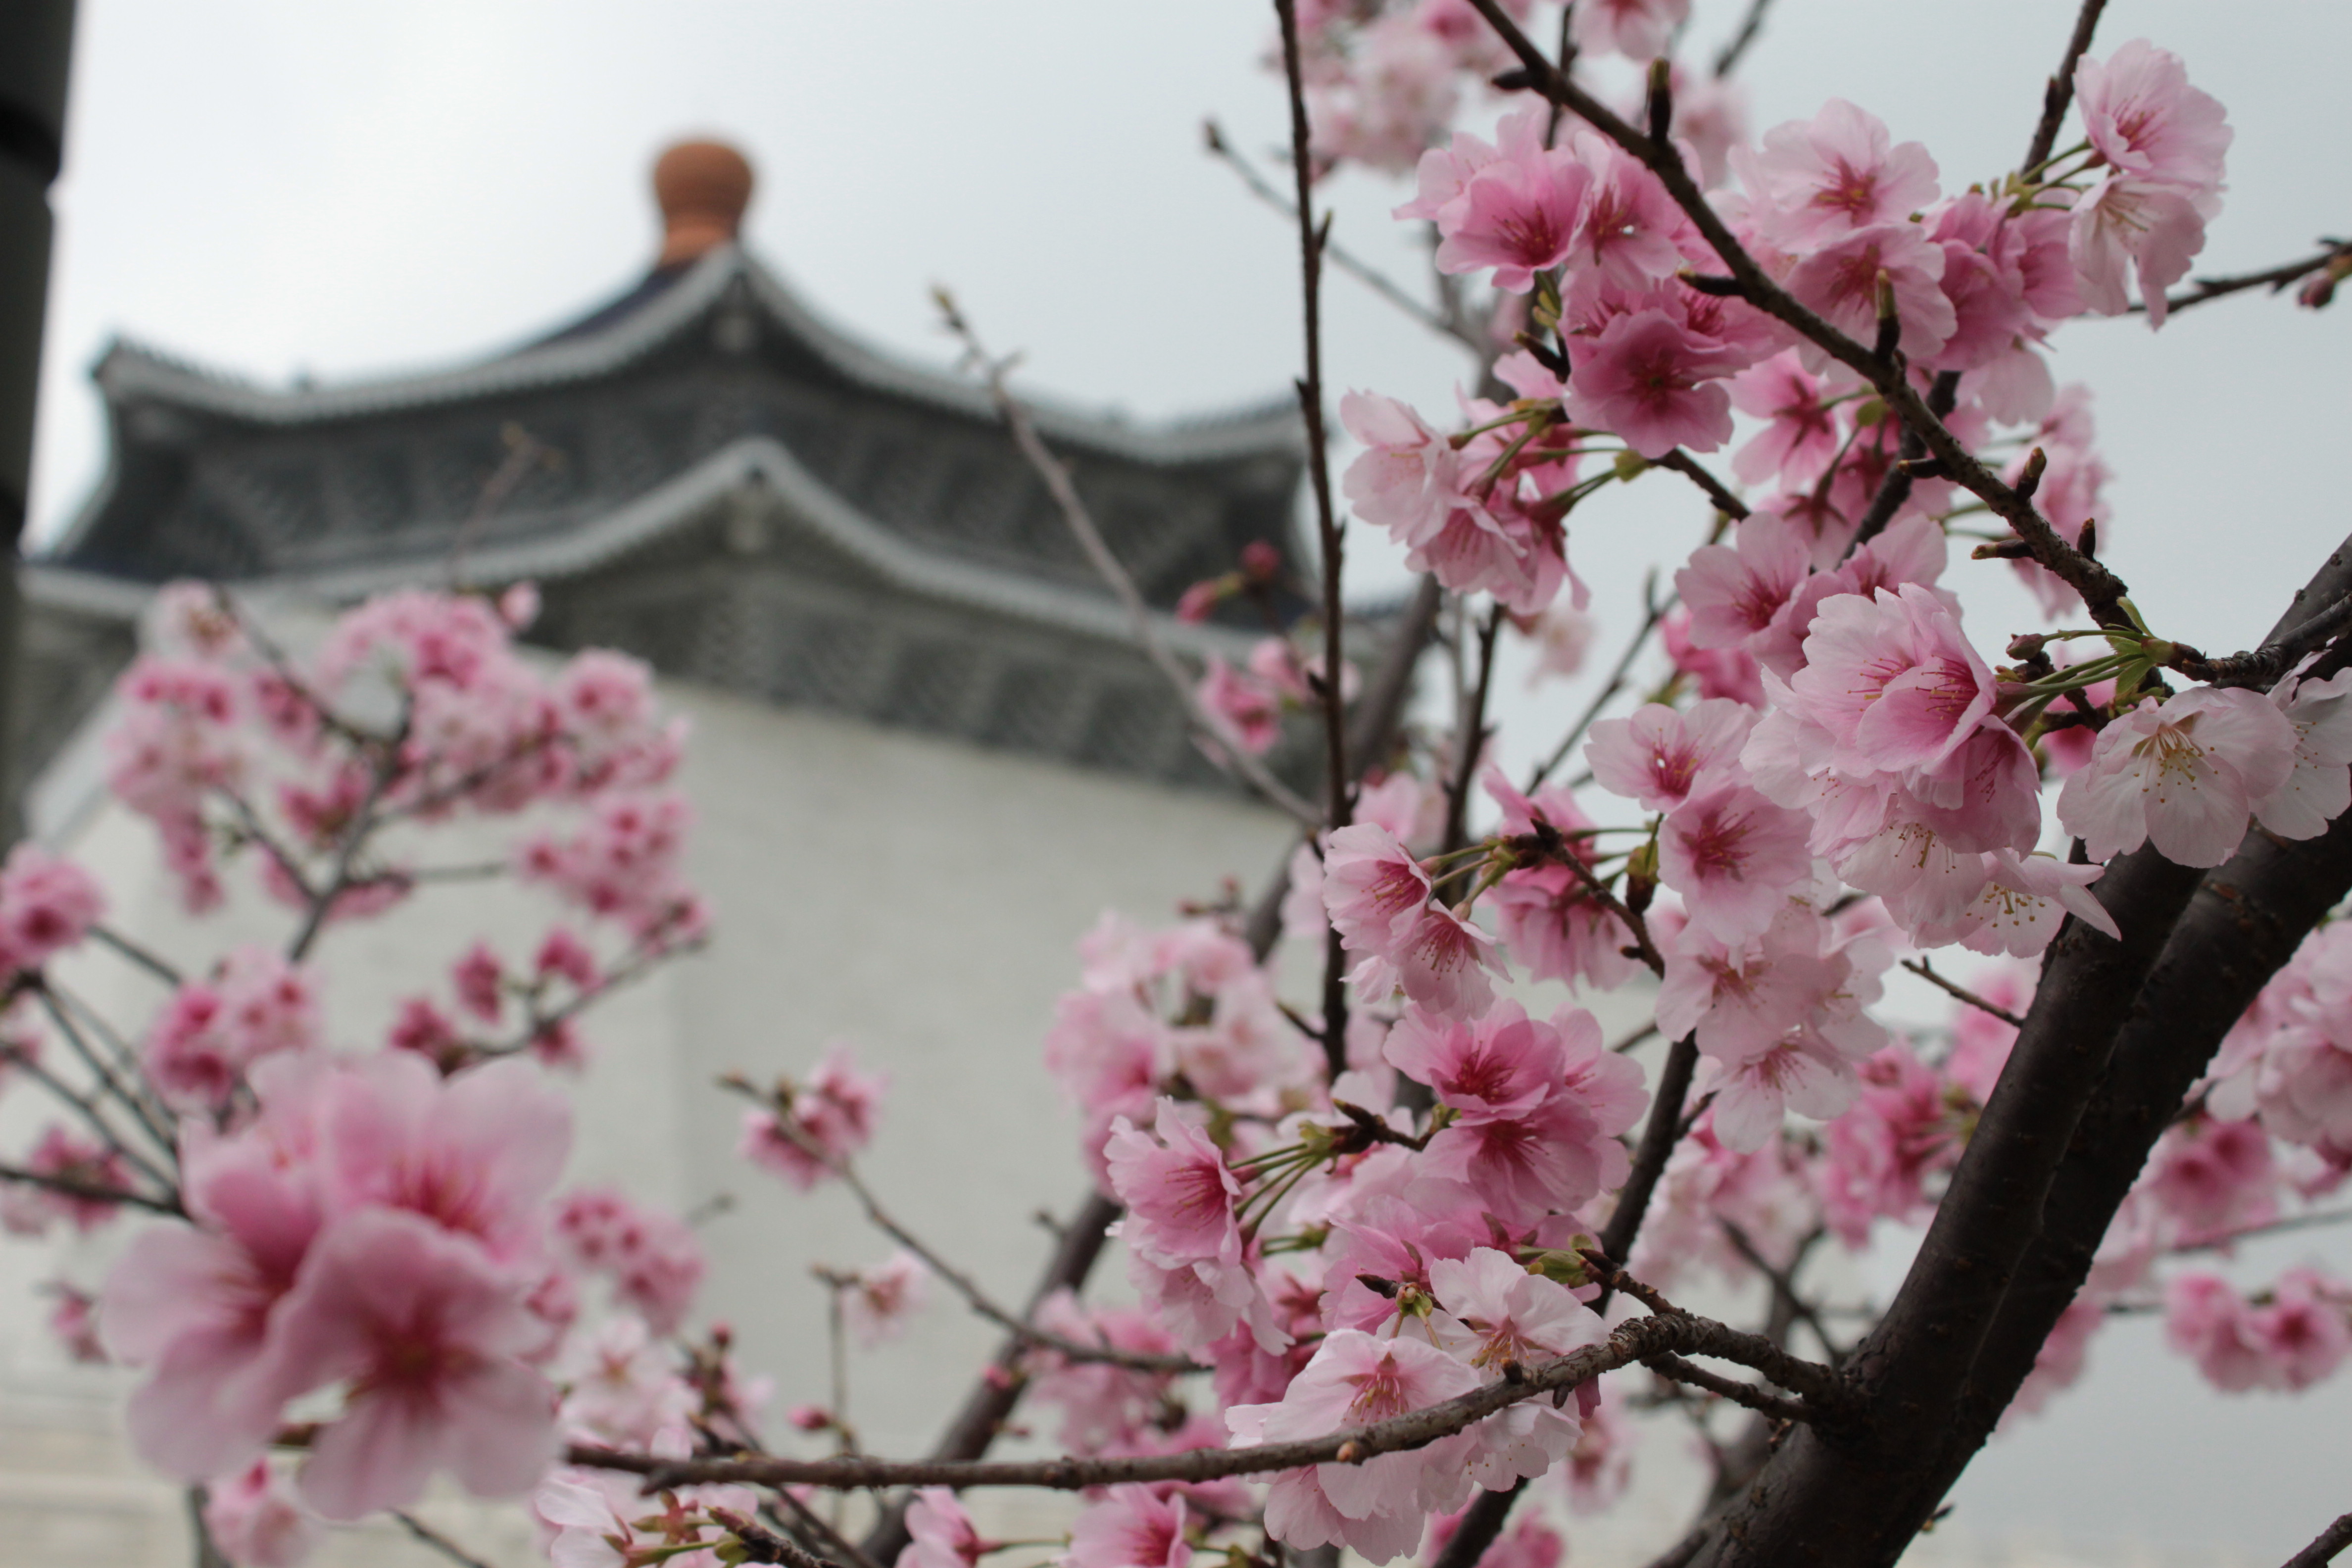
{"type": "Point", "coordinates": [1404, 1223]}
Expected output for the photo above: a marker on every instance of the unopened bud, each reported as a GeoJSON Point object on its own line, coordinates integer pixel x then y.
{"type": "Point", "coordinates": [1642, 877]}
{"type": "Point", "coordinates": [1261, 562]}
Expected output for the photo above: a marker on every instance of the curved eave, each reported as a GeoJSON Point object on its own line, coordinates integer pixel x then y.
{"type": "Point", "coordinates": [689, 496]}
{"type": "Point", "coordinates": [129, 370]}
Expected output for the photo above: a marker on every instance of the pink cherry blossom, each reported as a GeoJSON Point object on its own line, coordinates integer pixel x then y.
{"type": "Point", "coordinates": [213, 1030]}
{"type": "Point", "coordinates": [1655, 756]}
{"type": "Point", "coordinates": [2319, 787]}
{"type": "Point", "coordinates": [1373, 887]}
{"type": "Point", "coordinates": [1638, 29]}
{"type": "Point", "coordinates": [1444, 964]}
{"type": "Point", "coordinates": [29, 1210]}
{"type": "Point", "coordinates": [427, 1330]}
{"type": "Point", "coordinates": [1517, 216]}
{"type": "Point", "coordinates": [1179, 1196]}
{"type": "Point", "coordinates": [1654, 383]}
{"type": "Point", "coordinates": [1244, 710]}
{"type": "Point", "coordinates": [476, 1154]}
{"type": "Point", "coordinates": [831, 1116]}
{"type": "Point", "coordinates": [1734, 857]}
{"type": "Point", "coordinates": [1512, 1315]}
{"type": "Point", "coordinates": [1800, 435]}
{"type": "Point", "coordinates": [2185, 774]}
{"type": "Point", "coordinates": [1406, 479]}
{"type": "Point", "coordinates": [255, 1524]}
{"type": "Point", "coordinates": [941, 1531]}
{"type": "Point", "coordinates": [47, 905]}
{"type": "Point", "coordinates": [1376, 1508]}
{"type": "Point", "coordinates": [654, 1259]}
{"type": "Point", "coordinates": [1837, 172]}
{"type": "Point", "coordinates": [879, 1300]}
{"type": "Point", "coordinates": [1626, 228]}
{"type": "Point", "coordinates": [1801, 1073]}
{"type": "Point", "coordinates": [1840, 282]}
{"type": "Point", "coordinates": [1129, 1527]}
{"type": "Point", "coordinates": [2147, 229]}
{"type": "Point", "coordinates": [2141, 115]}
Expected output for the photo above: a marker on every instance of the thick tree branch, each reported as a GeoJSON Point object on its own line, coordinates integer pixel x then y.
{"type": "Point", "coordinates": [2116, 1034]}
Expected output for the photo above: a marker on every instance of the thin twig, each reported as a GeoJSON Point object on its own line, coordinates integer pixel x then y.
{"type": "Point", "coordinates": [1363, 271]}
{"type": "Point", "coordinates": [91, 1191]}
{"type": "Point", "coordinates": [1749, 28]}
{"type": "Point", "coordinates": [2227, 1238]}
{"type": "Point", "coordinates": [140, 955]}
{"type": "Point", "coordinates": [1683, 463]}
{"type": "Point", "coordinates": [765, 1545]}
{"type": "Point", "coordinates": [1659, 1334]}
{"type": "Point", "coordinates": [1925, 970]}
{"type": "Point", "coordinates": [1660, 1133]}
{"type": "Point", "coordinates": [438, 1541]}
{"type": "Point", "coordinates": [87, 1109]}
{"type": "Point", "coordinates": [961, 1282]}
{"type": "Point", "coordinates": [2060, 93]}
{"type": "Point", "coordinates": [2276, 279]}
{"type": "Point", "coordinates": [1055, 475]}
{"type": "Point", "coordinates": [2101, 590]}
{"type": "Point", "coordinates": [1747, 1393]}
{"type": "Point", "coordinates": [387, 766]}
{"type": "Point", "coordinates": [1470, 738]}
{"type": "Point", "coordinates": [1653, 610]}
{"type": "Point", "coordinates": [1784, 1285]}
{"type": "Point", "coordinates": [1338, 791]}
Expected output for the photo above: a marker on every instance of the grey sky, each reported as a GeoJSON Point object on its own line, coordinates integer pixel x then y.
{"type": "Point", "coordinates": [275, 186]}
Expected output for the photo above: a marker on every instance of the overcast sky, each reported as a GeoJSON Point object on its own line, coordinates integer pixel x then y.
{"type": "Point", "coordinates": [275, 187]}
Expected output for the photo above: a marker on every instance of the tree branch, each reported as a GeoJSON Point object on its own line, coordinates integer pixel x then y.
{"type": "Point", "coordinates": [1746, 1393]}
{"type": "Point", "coordinates": [2100, 589]}
{"type": "Point", "coordinates": [2263, 666]}
{"type": "Point", "coordinates": [1653, 610]}
{"type": "Point", "coordinates": [2275, 278]}
{"type": "Point", "coordinates": [1055, 476]}
{"type": "Point", "coordinates": [2060, 93]}
{"type": "Point", "coordinates": [993, 1398]}
{"type": "Point", "coordinates": [1683, 463]}
{"type": "Point", "coordinates": [1750, 25]}
{"type": "Point", "coordinates": [1363, 271]}
{"type": "Point", "coordinates": [437, 1542]}
{"type": "Point", "coordinates": [1925, 970]}
{"type": "Point", "coordinates": [963, 1284]}
{"type": "Point", "coordinates": [2331, 1541]}
{"type": "Point", "coordinates": [1662, 1333]}
{"type": "Point", "coordinates": [92, 1192]}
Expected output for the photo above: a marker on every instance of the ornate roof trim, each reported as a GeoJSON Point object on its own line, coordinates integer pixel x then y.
{"type": "Point", "coordinates": [129, 370]}
{"type": "Point", "coordinates": [680, 501]}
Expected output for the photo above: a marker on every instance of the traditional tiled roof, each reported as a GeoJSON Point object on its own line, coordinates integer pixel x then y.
{"type": "Point", "coordinates": [727, 485]}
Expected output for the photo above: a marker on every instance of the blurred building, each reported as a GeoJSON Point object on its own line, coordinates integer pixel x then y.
{"type": "Point", "coordinates": [926, 756]}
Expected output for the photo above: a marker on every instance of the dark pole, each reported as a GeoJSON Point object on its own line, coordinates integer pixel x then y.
{"type": "Point", "coordinates": [35, 46]}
